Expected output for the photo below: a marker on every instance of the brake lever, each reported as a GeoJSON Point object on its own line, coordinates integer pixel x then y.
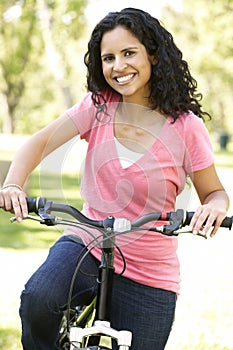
{"type": "Point", "coordinates": [177, 233]}
{"type": "Point", "coordinates": [29, 217]}
{"type": "Point", "coordinates": [201, 235]}
{"type": "Point", "coordinates": [48, 220]}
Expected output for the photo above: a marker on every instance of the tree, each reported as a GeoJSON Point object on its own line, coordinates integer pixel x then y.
{"type": "Point", "coordinates": [204, 33]}
{"type": "Point", "coordinates": [16, 33]}
{"type": "Point", "coordinates": [34, 37]}
{"type": "Point", "coordinates": [58, 27]}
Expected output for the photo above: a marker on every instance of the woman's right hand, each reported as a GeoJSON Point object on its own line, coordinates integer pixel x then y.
{"type": "Point", "coordinates": [13, 199]}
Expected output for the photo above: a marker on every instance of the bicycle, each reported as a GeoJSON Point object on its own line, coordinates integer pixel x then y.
{"type": "Point", "coordinates": [82, 327]}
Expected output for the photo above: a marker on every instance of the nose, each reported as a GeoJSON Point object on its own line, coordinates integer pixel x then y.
{"type": "Point", "coordinates": [119, 64]}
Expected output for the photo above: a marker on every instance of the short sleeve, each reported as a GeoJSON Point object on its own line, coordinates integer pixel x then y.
{"type": "Point", "coordinates": [83, 116]}
{"type": "Point", "coordinates": [199, 151]}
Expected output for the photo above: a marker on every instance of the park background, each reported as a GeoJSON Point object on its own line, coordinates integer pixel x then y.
{"type": "Point", "coordinates": [42, 44]}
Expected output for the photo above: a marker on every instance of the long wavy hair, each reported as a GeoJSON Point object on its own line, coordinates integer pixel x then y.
{"type": "Point", "coordinates": [173, 90]}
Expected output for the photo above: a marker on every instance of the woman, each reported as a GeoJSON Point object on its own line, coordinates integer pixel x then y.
{"type": "Point", "coordinates": [144, 124]}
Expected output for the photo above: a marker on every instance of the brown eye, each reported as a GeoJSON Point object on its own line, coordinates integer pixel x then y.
{"type": "Point", "coordinates": [129, 53]}
{"type": "Point", "coordinates": [108, 59]}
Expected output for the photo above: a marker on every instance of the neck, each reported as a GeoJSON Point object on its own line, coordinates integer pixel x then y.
{"type": "Point", "coordinates": [133, 113]}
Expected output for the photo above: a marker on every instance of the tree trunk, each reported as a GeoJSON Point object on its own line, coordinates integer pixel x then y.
{"type": "Point", "coordinates": [53, 56]}
{"type": "Point", "coordinates": [7, 118]}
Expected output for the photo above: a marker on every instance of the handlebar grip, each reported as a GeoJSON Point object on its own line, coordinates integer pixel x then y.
{"type": "Point", "coordinates": [227, 222]}
{"type": "Point", "coordinates": [34, 204]}
{"type": "Point", "coordinates": [188, 218]}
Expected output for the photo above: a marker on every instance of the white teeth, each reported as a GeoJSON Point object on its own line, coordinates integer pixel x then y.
{"type": "Point", "coordinates": [124, 78]}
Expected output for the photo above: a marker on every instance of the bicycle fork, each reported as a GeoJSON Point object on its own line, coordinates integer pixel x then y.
{"type": "Point", "coordinates": [102, 326]}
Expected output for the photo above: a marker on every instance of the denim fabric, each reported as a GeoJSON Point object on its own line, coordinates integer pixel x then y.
{"type": "Point", "coordinates": [147, 312]}
{"type": "Point", "coordinates": [46, 293]}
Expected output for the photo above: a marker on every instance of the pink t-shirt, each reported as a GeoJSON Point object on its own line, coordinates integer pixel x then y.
{"type": "Point", "coordinates": [150, 184]}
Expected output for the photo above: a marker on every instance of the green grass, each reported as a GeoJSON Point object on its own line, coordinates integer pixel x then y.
{"type": "Point", "coordinates": [224, 159]}
{"type": "Point", "coordinates": [30, 234]}
{"type": "Point", "coordinates": [10, 338]}
{"type": "Point", "coordinates": [203, 346]}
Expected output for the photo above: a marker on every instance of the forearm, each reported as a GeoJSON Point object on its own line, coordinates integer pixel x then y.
{"type": "Point", "coordinates": [12, 196]}
{"type": "Point", "coordinates": [38, 147]}
{"type": "Point", "coordinates": [25, 161]}
{"type": "Point", "coordinates": [27, 158]}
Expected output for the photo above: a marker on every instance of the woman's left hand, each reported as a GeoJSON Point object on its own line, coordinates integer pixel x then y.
{"type": "Point", "coordinates": [207, 216]}
{"type": "Point", "coordinates": [214, 200]}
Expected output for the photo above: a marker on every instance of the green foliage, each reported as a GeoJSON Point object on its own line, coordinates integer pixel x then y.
{"type": "Point", "coordinates": [204, 33]}
{"type": "Point", "coordinates": [38, 57]}
{"type": "Point", "coordinates": [68, 20]}
{"type": "Point", "coordinates": [16, 33]}
{"type": "Point", "coordinates": [35, 89]}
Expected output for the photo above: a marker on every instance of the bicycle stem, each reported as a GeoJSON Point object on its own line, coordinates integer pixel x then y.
{"type": "Point", "coordinates": [106, 273]}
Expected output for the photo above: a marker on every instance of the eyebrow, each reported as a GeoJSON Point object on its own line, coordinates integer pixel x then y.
{"type": "Point", "coordinates": [124, 50]}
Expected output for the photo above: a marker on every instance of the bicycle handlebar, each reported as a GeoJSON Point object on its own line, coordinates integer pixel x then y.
{"type": "Point", "coordinates": [177, 219]}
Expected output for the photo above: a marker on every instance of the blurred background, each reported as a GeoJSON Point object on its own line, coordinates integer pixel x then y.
{"type": "Point", "coordinates": [42, 44]}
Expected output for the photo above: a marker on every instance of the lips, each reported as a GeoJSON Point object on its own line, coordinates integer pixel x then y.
{"type": "Point", "coordinates": [124, 78]}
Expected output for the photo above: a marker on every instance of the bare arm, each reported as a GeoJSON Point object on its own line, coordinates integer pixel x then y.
{"type": "Point", "coordinates": [214, 200]}
{"type": "Point", "coordinates": [28, 157]}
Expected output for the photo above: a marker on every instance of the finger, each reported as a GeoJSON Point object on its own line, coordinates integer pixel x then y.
{"type": "Point", "coordinates": [17, 209]}
{"type": "Point", "coordinates": [23, 204]}
{"type": "Point", "coordinates": [2, 203]}
{"type": "Point", "coordinates": [209, 223]}
{"type": "Point", "coordinates": [20, 206]}
{"type": "Point", "coordinates": [8, 204]}
{"type": "Point", "coordinates": [195, 217]}
{"type": "Point", "coordinates": [199, 221]}
{"type": "Point", "coordinates": [216, 227]}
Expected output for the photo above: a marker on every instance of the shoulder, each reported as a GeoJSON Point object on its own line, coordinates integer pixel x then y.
{"type": "Point", "coordinates": [188, 119]}
{"type": "Point", "coordinates": [87, 101]}
{"type": "Point", "coordinates": [191, 130]}
{"type": "Point", "coordinates": [84, 113]}
{"type": "Point", "coordinates": [188, 124]}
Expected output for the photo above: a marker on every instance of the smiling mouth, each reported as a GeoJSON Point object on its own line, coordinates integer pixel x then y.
{"type": "Point", "coordinates": [124, 78]}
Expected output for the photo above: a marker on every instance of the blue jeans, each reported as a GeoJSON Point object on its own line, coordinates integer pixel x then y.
{"type": "Point", "coordinates": [147, 312]}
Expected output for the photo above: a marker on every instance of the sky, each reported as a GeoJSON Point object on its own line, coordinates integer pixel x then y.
{"type": "Point", "coordinates": [97, 9]}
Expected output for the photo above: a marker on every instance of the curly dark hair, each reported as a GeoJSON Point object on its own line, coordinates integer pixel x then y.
{"type": "Point", "coordinates": [172, 88]}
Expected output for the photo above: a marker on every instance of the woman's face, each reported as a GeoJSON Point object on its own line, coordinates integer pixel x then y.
{"type": "Point", "coordinates": [126, 65]}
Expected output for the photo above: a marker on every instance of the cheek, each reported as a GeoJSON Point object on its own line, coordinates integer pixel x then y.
{"type": "Point", "coordinates": [106, 71]}
{"type": "Point", "coordinates": [148, 68]}
{"type": "Point", "coordinates": [146, 65]}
